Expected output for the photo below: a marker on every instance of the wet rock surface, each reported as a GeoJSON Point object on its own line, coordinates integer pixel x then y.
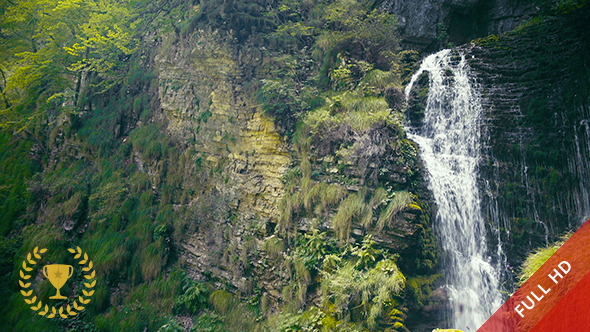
{"type": "Point", "coordinates": [426, 23]}
{"type": "Point", "coordinates": [536, 102]}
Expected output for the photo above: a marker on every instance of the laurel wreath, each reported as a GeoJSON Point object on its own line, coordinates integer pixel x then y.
{"type": "Point", "coordinates": [45, 311]}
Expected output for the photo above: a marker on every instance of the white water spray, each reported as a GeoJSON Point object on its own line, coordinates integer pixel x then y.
{"type": "Point", "coordinates": [449, 141]}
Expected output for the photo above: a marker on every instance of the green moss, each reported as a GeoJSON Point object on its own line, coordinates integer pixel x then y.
{"type": "Point", "coordinates": [419, 288]}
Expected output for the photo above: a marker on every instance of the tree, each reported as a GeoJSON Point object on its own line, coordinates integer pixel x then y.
{"type": "Point", "coordinates": [49, 48]}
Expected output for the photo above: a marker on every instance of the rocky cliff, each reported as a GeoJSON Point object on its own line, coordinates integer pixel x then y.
{"type": "Point", "coordinates": [244, 164]}
{"type": "Point", "coordinates": [426, 24]}
{"type": "Point", "coordinates": [206, 106]}
{"type": "Point", "coordinates": [534, 131]}
{"type": "Point", "coordinates": [536, 124]}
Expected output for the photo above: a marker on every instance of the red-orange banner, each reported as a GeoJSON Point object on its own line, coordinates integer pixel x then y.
{"type": "Point", "coordinates": [556, 297]}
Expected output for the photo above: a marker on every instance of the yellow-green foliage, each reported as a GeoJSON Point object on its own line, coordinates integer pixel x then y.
{"type": "Point", "coordinates": [362, 121]}
{"type": "Point", "coordinates": [237, 316]}
{"type": "Point", "coordinates": [156, 300]}
{"type": "Point", "coordinates": [353, 208]}
{"type": "Point", "coordinates": [313, 319]}
{"type": "Point", "coordinates": [287, 294]}
{"type": "Point", "coordinates": [322, 196]}
{"type": "Point", "coordinates": [319, 118]}
{"type": "Point", "coordinates": [366, 254]}
{"type": "Point", "coordinates": [346, 75]}
{"type": "Point", "coordinates": [353, 102]}
{"type": "Point", "coordinates": [356, 25]}
{"type": "Point", "coordinates": [311, 198]}
{"type": "Point", "coordinates": [400, 201]}
{"type": "Point", "coordinates": [221, 300]}
{"type": "Point", "coordinates": [397, 316]}
{"type": "Point", "coordinates": [353, 109]}
{"type": "Point", "coordinates": [305, 167]}
{"type": "Point", "coordinates": [303, 277]}
{"type": "Point", "coordinates": [302, 272]}
{"type": "Point", "coordinates": [378, 80]}
{"type": "Point", "coordinates": [380, 196]}
{"type": "Point", "coordinates": [536, 259]}
{"type": "Point", "coordinates": [274, 247]}
{"type": "Point", "coordinates": [73, 205]}
{"type": "Point", "coordinates": [370, 289]}
{"type": "Point", "coordinates": [306, 184]}
{"type": "Point", "coordinates": [285, 214]}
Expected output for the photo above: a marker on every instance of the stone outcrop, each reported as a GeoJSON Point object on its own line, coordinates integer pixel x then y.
{"type": "Point", "coordinates": [204, 103]}
{"type": "Point", "coordinates": [537, 109]}
{"type": "Point", "coordinates": [206, 107]}
{"type": "Point", "coordinates": [424, 24]}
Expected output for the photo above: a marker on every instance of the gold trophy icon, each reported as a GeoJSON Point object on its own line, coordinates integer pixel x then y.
{"type": "Point", "coordinates": [58, 274]}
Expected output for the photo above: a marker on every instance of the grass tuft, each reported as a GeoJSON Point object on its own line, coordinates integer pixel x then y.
{"type": "Point", "coordinates": [400, 201]}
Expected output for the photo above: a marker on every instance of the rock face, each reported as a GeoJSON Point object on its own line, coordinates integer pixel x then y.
{"type": "Point", "coordinates": [537, 110]}
{"type": "Point", "coordinates": [425, 23]}
{"type": "Point", "coordinates": [205, 105]}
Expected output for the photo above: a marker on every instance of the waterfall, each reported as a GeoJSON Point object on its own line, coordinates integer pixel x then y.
{"type": "Point", "coordinates": [449, 141]}
{"type": "Point", "coordinates": [580, 166]}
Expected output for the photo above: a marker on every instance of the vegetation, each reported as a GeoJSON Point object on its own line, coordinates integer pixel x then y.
{"type": "Point", "coordinates": [537, 258]}
{"type": "Point", "coordinates": [87, 159]}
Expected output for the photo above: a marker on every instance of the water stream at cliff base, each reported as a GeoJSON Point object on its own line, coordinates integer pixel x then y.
{"type": "Point", "coordinates": [449, 141]}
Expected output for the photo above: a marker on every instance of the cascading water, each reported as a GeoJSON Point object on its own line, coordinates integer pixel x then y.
{"type": "Point", "coordinates": [449, 142]}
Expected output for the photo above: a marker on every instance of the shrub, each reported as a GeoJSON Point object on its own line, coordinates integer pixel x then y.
{"type": "Point", "coordinates": [237, 316]}
{"type": "Point", "coordinates": [377, 81]}
{"type": "Point", "coordinates": [370, 290]}
{"type": "Point", "coordinates": [194, 299]}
